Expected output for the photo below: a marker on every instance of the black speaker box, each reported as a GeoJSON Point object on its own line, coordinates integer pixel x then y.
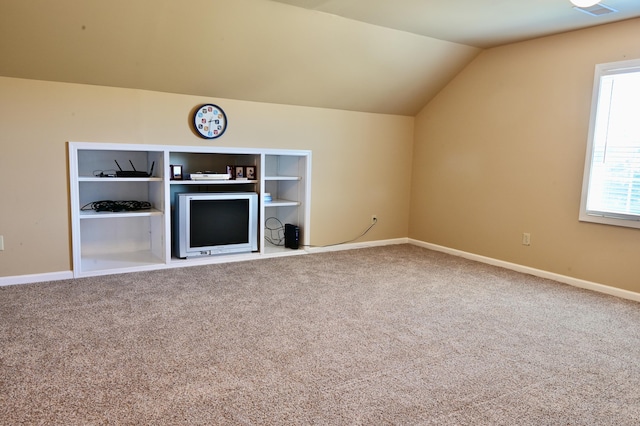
{"type": "Point", "coordinates": [291, 236]}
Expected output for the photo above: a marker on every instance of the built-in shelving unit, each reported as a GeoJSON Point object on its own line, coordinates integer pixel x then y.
{"type": "Point", "coordinates": [124, 241]}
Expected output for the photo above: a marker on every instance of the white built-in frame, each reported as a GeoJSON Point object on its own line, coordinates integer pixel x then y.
{"type": "Point", "coordinates": [129, 241]}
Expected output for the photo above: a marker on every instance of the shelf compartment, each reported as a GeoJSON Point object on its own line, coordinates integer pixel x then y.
{"type": "Point", "coordinates": [93, 161]}
{"type": "Point", "coordinates": [121, 239]}
{"type": "Point", "coordinates": [144, 190]}
{"type": "Point", "coordinates": [211, 162]}
{"type": "Point", "coordinates": [284, 166]}
{"type": "Point", "coordinates": [284, 191]}
{"type": "Point", "coordinates": [286, 213]}
{"type": "Point", "coordinates": [122, 262]}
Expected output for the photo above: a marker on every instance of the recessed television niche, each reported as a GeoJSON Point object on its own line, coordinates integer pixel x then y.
{"type": "Point", "coordinates": [213, 223]}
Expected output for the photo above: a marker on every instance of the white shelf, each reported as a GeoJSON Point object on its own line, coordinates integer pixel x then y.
{"type": "Point", "coordinates": [273, 250]}
{"type": "Point", "coordinates": [117, 179]}
{"type": "Point", "coordinates": [91, 214]}
{"type": "Point", "coordinates": [281, 203]}
{"type": "Point", "coordinates": [212, 182]}
{"type": "Point", "coordinates": [282, 178]}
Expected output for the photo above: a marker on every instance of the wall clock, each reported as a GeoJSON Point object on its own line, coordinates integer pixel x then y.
{"type": "Point", "coordinates": [210, 121]}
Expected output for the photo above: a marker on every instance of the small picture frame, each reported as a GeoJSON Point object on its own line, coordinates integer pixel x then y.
{"type": "Point", "coordinates": [231, 171]}
{"type": "Point", "coordinates": [239, 172]}
{"type": "Point", "coordinates": [176, 171]}
{"type": "Point", "coordinates": [250, 172]}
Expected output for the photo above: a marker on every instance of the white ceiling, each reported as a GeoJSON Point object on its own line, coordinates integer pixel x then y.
{"type": "Point", "coordinates": [485, 23]}
{"type": "Point", "coordinates": [380, 56]}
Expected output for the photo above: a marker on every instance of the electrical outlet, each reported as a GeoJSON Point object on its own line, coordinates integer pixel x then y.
{"type": "Point", "coordinates": [1, 243]}
{"type": "Point", "coordinates": [526, 239]}
{"type": "Point", "coordinates": [374, 219]}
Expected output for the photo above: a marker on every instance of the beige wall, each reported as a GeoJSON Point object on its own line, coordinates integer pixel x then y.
{"type": "Point", "coordinates": [37, 118]}
{"type": "Point", "coordinates": [500, 151]}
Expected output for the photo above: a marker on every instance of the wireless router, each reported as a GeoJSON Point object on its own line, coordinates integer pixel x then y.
{"type": "Point", "coordinates": [134, 172]}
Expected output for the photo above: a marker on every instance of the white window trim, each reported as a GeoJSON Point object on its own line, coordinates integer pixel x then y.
{"type": "Point", "coordinates": [628, 221]}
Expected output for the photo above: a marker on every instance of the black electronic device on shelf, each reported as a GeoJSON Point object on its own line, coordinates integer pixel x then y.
{"type": "Point", "coordinates": [291, 236]}
{"type": "Point", "coordinates": [134, 172]}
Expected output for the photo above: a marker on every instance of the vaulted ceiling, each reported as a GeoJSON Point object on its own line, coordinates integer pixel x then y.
{"type": "Point", "coordinates": [387, 57]}
{"type": "Point", "coordinates": [480, 23]}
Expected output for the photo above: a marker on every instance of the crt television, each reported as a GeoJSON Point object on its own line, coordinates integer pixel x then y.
{"type": "Point", "coordinates": [212, 223]}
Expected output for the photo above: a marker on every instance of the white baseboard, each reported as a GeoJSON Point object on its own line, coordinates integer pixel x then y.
{"type": "Point", "coordinates": [36, 278]}
{"type": "Point", "coordinates": [576, 282]}
{"type": "Point", "coordinates": [365, 244]}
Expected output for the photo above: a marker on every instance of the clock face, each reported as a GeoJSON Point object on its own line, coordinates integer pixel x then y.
{"type": "Point", "coordinates": [210, 121]}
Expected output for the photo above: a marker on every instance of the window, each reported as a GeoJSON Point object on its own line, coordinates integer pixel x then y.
{"type": "Point", "coordinates": [611, 188]}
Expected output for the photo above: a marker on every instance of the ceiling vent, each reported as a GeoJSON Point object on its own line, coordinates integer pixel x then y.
{"type": "Point", "coordinates": [596, 10]}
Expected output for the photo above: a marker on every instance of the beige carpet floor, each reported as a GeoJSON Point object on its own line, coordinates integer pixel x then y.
{"type": "Point", "coordinates": [395, 335]}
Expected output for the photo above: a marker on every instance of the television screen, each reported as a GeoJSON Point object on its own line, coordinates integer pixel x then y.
{"type": "Point", "coordinates": [219, 222]}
